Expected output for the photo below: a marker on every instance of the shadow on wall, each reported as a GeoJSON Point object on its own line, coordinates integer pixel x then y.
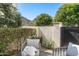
{"type": "Point", "coordinates": [67, 35]}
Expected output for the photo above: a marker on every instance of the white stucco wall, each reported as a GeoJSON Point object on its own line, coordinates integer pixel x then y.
{"type": "Point", "coordinates": [49, 32]}
{"type": "Point", "coordinates": [56, 35]}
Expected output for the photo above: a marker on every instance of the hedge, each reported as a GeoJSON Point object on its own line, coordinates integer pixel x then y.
{"type": "Point", "coordinates": [10, 35]}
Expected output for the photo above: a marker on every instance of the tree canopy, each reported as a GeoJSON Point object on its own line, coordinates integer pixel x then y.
{"type": "Point", "coordinates": [43, 20]}
{"type": "Point", "coordinates": [68, 14]}
{"type": "Point", "coordinates": [9, 15]}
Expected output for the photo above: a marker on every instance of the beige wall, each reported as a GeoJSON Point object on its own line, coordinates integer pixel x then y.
{"type": "Point", "coordinates": [56, 35]}
{"type": "Point", "coordinates": [49, 32]}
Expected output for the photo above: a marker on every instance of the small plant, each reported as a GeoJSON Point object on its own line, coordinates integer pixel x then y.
{"type": "Point", "coordinates": [33, 35]}
{"type": "Point", "coordinates": [48, 43]}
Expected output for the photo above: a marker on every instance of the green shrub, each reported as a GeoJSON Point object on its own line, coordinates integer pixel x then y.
{"type": "Point", "coordinates": [47, 43]}
{"type": "Point", "coordinates": [9, 35]}
{"type": "Point", "coordinates": [33, 35]}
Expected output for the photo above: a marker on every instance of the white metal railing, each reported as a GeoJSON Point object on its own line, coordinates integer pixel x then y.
{"type": "Point", "coordinates": [59, 51]}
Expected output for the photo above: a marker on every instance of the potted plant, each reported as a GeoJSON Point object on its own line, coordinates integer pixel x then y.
{"type": "Point", "coordinates": [33, 40]}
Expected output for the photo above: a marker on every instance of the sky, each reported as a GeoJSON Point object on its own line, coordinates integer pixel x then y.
{"type": "Point", "coordinates": [31, 10]}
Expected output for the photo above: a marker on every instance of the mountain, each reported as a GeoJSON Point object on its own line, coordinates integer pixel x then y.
{"type": "Point", "coordinates": [26, 22]}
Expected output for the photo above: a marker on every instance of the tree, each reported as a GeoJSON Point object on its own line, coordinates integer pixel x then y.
{"type": "Point", "coordinates": [9, 15]}
{"type": "Point", "coordinates": [43, 20]}
{"type": "Point", "coordinates": [68, 14]}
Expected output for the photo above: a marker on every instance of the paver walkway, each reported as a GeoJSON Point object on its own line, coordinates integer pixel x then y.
{"type": "Point", "coordinates": [45, 52]}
